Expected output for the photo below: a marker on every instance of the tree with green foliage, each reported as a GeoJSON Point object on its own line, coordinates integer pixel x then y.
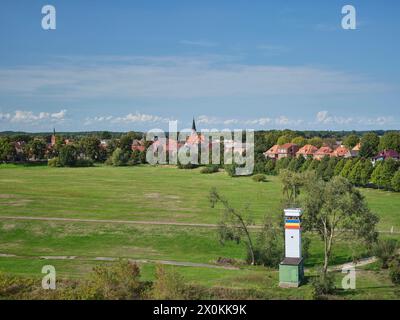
{"type": "Point", "coordinates": [300, 141]}
{"type": "Point", "coordinates": [377, 174]}
{"type": "Point", "coordinates": [270, 167]}
{"type": "Point", "coordinates": [36, 149]}
{"type": "Point", "coordinates": [355, 173]}
{"type": "Point", "coordinates": [347, 168]}
{"type": "Point", "coordinates": [330, 169]}
{"type": "Point", "coordinates": [390, 167]}
{"type": "Point", "coordinates": [314, 165]}
{"type": "Point", "coordinates": [119, 158]}
{"type": "Point", "coordinates": [68, 156]}
{"type": "Point", "coordinates": [296, 163]}
{"type": "Point", "coordinates": [284, 139]}
{"type": "Point", "coordinates": [7, 149]}
{"type": "Point", "coordinates": [234, 224]}
{"type": "Point", "coordinates": [390, 141]}
{"type": "Point", "coordinates": [316, 142]}
{"type": "Point", "coordinates": [336, 209]}
{"type": "Point", "coordinates": [125, 143]}
{"type": "Point", "coordinates": [306, 164]}
{"type": "Point", "coordinates": [282, 164]}
{"type": "Point", "coordinates": [396, 181]}
{"type": "Point", "coordinates": [106, 135]}
{"type": "Point", "coordinates": [90, 147]}
{"type": "Point", "coordinates": [323, 165]}
{"type": "Point", "coordinates": [339, 167]}
{"type": "Point", "coordinates": [369, 145]}
{"type": "Point", "coordinates": [367, 169]}
{"type": "Point", "coordinates": [269, 245]}
{"type": "Point", "coordinates": [351, 141]}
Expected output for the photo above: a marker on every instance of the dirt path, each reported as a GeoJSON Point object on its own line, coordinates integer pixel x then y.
{"type": "Point", "coordinates": [167, 262]}
{"type": "Point", "coordinates": [155, 223]}
{"type": "Point", "coordinates": [182, 224]}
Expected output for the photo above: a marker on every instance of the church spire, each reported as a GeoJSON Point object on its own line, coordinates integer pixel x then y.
{"type": "Point", "coordinates": [194, 126]}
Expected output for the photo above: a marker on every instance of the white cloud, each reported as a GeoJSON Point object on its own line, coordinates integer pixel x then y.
{"type": "Point", "coordinates": [29, 117]}
{"type": "Point", "coordinates": [138, 118]}
{"type": "Point", "coordinates": [324, 117]}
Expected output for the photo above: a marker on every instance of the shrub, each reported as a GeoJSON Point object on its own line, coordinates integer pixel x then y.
{"type": "Point", "coordinates": [268, 249]}
{"type": "Point", "coordinates": [385, 250]}
{"type": "Point", "coordinates": [84, 163]}
{"type": "Point", "coordinates": [117, 282]}
{"type": "Point", "coordinates": [169, 285]}
{"type": "Point", "coordinates": [119, 157]}
{"type": "Point", "coordinates": [210, 169]}
{"type": "Point", "coordinates": [230, 169]}
{"type": "Point", "coordinates": [394, 271]}
{"type": "Point", "coordinates": [54, 162]}
{"type": "Point", "coordinates": [323, 285]}
{"type": "Point", "coordinates": [188, 166]}
{"type": "Point", "coordinates": [260, 178]}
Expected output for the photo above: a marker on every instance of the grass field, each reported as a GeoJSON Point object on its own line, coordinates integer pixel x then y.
{"type": "Point", "coordinates": [158, 194]}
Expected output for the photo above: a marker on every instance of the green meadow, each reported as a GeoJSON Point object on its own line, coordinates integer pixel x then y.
{"type": "Point", "coordinates": [155, 194]}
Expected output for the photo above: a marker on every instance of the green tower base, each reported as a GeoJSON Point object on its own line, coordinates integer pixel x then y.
{"type": "Point", "coordinates": [291, 272]}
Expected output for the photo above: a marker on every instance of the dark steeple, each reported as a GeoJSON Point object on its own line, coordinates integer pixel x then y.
{"type": "Point", "coordinates": [194, 126]}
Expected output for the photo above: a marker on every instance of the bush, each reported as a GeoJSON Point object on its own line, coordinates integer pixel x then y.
{"type": "Point", "coordinates": [385, 250]}
{"type": "Point", "coordinates": [260, 178]}
{"type": "Point", "coordinates": [230, 169]}
{"type": "Point", "coordinates": [394, 271]}
{"type": "Point", "coordinates": [55, 162]}
{"type": "Point", "coordinates": [268, 250]}
{"type": "Point", "coordinates": [169, 285]}
{"type": "Point", "coordinates": [210, 169]}
{"type": "Point", "coordinates": [84, 163]}
{"type": "Point", "coordinates": [323, 285]}
{"type": "Point", "coordinates": [117, 282]}
{"type": "Point", "coordinates": [119, 157]}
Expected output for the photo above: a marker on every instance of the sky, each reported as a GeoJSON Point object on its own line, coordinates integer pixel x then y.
{"type": "Point", "coordinates": [135, 65]}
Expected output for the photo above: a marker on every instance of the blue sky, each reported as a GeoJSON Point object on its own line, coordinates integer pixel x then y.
{"type": "Point", "coordinates": [134, 65]}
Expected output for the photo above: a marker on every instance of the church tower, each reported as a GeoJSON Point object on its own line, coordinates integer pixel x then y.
{"type": "Point", "coordinates": [53, 138]}
{"type": "Point", "coordinates": [194, 130]}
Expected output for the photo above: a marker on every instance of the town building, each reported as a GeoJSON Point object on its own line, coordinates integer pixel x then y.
{"type": "Point", "coordinates": [287, 150]}
{"type": "Point", "coordinates": [307, 151]}
{"type": "Point", "coordinates": [323, 152]}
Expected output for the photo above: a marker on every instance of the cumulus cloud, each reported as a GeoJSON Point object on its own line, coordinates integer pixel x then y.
{"type": "Point", "coordinates": [138, 118]}
{"type": "Point", "coordinates": [324, 117]}
{"type": "Point", "coordinates": [29, 117]}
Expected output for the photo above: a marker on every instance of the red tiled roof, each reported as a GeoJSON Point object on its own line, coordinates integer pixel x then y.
{"type": "Point", "coordinates": [324, 151]}
{"type": "Point", "coordinates": [308, 149]}
{"type": "Point", "coordinates": [273, 150]}
{"type": "Point", "coordinates": [340, 151]}
{"type": "Point", "coordinates": [287, 146]}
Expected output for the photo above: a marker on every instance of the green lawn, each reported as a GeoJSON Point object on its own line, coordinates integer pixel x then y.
{"type": "Point", "coordinates": [153, 194]}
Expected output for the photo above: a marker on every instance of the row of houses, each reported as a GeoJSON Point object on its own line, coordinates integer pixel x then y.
{"type": "Point", "coordinates": [291, 150]}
